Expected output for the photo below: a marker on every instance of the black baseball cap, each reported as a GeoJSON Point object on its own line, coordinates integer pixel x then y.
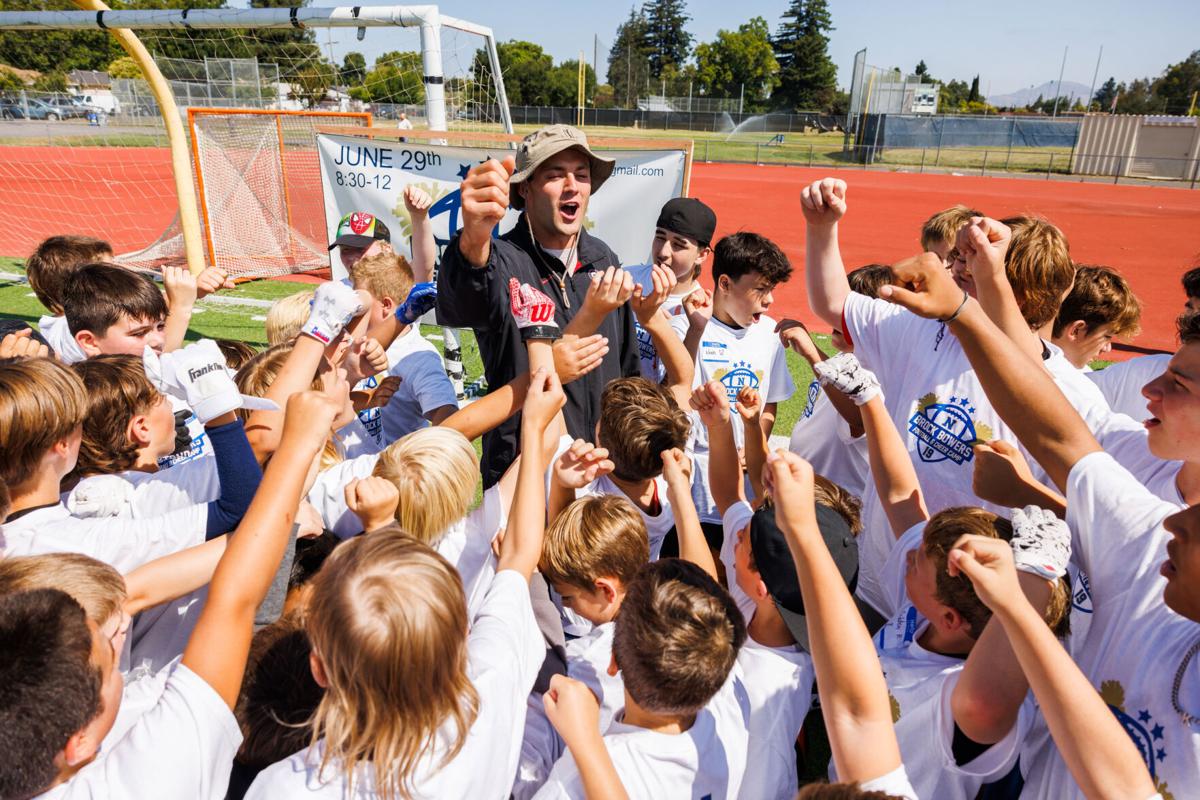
{"type": "Point", "coordinates": [688, 217]}
{"type": "Point", "coordinates": [773, 559]}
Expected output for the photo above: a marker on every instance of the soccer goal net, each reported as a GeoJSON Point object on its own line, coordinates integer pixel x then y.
{"type": "Point", "coordinates": [84, 148]}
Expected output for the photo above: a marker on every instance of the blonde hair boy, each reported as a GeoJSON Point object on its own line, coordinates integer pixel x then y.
{"type": "Point", "coordinates": [591, 552]}
{"type": "Point", "coordinates": [42, 405]}
{"type": "Point", "coordinates": [287, 315]}
{"type": "Point", "coordinates": [436, 471]}
{"type": "Point", "coordinates": [939, 232]}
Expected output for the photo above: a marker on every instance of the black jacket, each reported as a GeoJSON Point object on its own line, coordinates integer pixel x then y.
{"type": "Point", "coordinates": [477, 298]}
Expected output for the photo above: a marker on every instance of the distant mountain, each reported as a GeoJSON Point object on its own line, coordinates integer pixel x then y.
{"type": "Point", "coordinates": [1023, 97]}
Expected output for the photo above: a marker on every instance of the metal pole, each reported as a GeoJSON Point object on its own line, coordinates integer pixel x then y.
{"type": "Point", "coordinates": [1095, 75]}
{"type": "Point", "coordinates": [1049, 166]}
{"type": "Point", "coordinates": [983, 169]}
{"type": "Point", "coordinates": [742, 101]}
{"type": "Point", "coordinates": [810, 155]}
{"type": "Point", "coordinates": [923, 151]}
{"type": "Point", "coordinates": [1058, 88]}
{"type": "Point", "coordinates": [689, 102]}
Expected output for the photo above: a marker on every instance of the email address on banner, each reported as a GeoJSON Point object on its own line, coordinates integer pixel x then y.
{"type": "Point", "coordinates": [634, 171]}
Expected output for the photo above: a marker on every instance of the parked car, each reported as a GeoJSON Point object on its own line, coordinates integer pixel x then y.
{"type": "Point", "coordinates": [67, 107]}
{"type": "Point", "coordinates": [11, 109]}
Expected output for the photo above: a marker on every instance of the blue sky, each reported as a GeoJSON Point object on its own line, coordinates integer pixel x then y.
{"type": "Point", "coordinates": [1011, 44]}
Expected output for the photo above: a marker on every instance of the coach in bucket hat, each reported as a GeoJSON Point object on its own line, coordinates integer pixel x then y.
{"type": "Point", "coordinates": [541, 145]}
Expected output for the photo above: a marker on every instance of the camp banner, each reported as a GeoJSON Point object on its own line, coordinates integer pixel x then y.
{"type": "Point", "coordinates": [360, 174]}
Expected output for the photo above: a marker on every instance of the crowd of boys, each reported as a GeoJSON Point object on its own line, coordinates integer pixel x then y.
{"type": "Point", "coordinates": [974, 572]}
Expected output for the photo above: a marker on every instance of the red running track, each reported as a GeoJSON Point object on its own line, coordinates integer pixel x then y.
{"type": "Point", "coordinates": [1149, 233]}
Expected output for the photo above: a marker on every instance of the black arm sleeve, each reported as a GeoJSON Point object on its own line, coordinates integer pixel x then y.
{"type": "Point", "coordinates": [239, 474]}
{"type": "Point", "coordinates": [464, 290]}
{"type": "Point", "coordinates": [630, 359]}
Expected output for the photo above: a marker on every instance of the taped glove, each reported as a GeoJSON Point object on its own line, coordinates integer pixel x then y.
{"type": "Point", "coordinates": [532, 311]}
{"type": "Point", "coordinates": [421, 298]}
{"type": "Point", "coordinates": [198, 376]}
{"type": "Point", "coordinates": [1041, 543]}
{"type": "Point", "coordinates": [844, 373]}
{"type": "Point", "coordinates": [333, 306]}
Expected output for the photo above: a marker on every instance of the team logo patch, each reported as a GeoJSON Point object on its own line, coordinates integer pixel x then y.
{"type": "Point", "coordinates": [946, 431]}
{"type": "Point", "coordinates": [814, 389]}
{"type": "Point", "coordinates": [1081, 594]}
{"type": "Point", "coordinates": [1141, 727]}
{"type": "Point", "coordinates": [738, 377]}
{"type": "Point", "coordinates": [361, 222]}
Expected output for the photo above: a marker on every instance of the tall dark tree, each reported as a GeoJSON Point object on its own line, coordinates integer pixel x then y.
{"type": "Point", "coordinates": [628, 60]}
{"type": "Point", "coordinates": [921, 71]}
{"type": "Point", "coordinates": [354, 69]}
{"type": "Point", "coordinates": [1175, 88]}
{"type": "Point", "coordinates": [973, 94]}
{"type": "Point", "coordinates": [807, 76]}
{"type": "Point", "coordinates": [1103, 99]}
{"type": "Point", "coordinates": [665, 39]}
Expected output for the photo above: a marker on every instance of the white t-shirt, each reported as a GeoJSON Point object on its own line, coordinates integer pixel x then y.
{"type": "Point", "coordinates": [939, 407]}
{"type": "Point", "coordinates": [181, 747]}
{"type": "Point", "coordinates": [57, 334]}
{"type": "Point", "coordinates": [1122, 383]}
{"type": "Point", "coordinates": [651, 365]}
{"type": "Point", "coordinates": [707, 760]}
{"type": "Point", "coordinates": [123, 542]}
{"type": "Point", "coordinates": [354, 439]}
{"type": "Point", "coordinates": [822, 438]}
{"type": "Point", "coordinates": [895, 783]}
{"type": "Point", "coordinates": [328, 494]}
{"type": "Point", "coordinates": [1135, 643]}
{"type": "Point", "coordinates": [504, 653]}
{"type": "Point", "coordinates": [779, 685]}
{"type": "Point", "coordinates": [145, 494]}
{"type": "Point", "coordinates": [424, 386]}
{"type": "Point", "coordinates": [737, 357]}
{"type": "Point", "coordinates": [903, 618]}
{"type": "Point", "coordinates": [778, 682]}
{"type": "Point", "coordinates": [921, 684]}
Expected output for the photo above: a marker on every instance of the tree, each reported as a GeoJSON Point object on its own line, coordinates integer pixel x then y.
{"type": "Point", "coordinates": [952, 96]}
{"type": "Point", "coordinates": [807, 76]}
{"type": "Point", "coordinates": [562, 88]}
{"type": "Point", "coordinates": [9, 80]}
{"type": "Point", "coordinates": [124, 67]}
{"type": "Point", "coordinates": [921, 71]}
{"type": "Point", "coordinates": [739, 58]}
{"type": "Point", "coordinates": [394, 78]}
{"type": "Point", "coordinates": [51, 82]}
{"type": "Point", "coordinates": [1138, 98]}
{"type": "Point", "coordinates": [354, 69]}
{"type": "Point", "coordinates": [1105, 95]}
{"type": "Point", "coordinates": [973, 94]}
{"type": "Point", "coordinates": [664, 38]}
{"type": "Point", "coordinates": [1174, 90]}
{"type": "Point", "coordinates": [49, 50]}
{"type": "Point", "coordinates": [628, 60]}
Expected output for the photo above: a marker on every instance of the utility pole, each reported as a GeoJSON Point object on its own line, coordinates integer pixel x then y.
{"type": "Point", "coordinates": [596, 56]}
{"type": "Point", "coordinates": [742, 99]}
{"type": "Point", "coordinates": [1058, 87]}
{"type": "Point", "coordinates": [1095, 75]}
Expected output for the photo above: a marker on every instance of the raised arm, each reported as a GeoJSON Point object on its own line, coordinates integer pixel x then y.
{"type": "Point", "coordinates": [989, 693]}
{"type": "Point", "coordinates": [424, 249]}
{"type": "Point", "coordinates": [172, 576]}
{"type": "Point", "coordinates": [219, 645]}
{"type": "Point", "coordinates": [693, 546]}
{"type": "Point", "coordinates": [854, 696]}
{"type": "Point", "coordinates": [724, 467]}
{"type": "Point", "coordinates": [891, 466]}
{"type": "Point", "coordinates": [678, 363]}
{"type": "Point", "coordinates": [749, 407]}
{"type": "Point", "coordinates": [484, 195]}
{"type": "Point", "coordinates": [793, 334]}
{"type": "Point", "coordinates": [983, 244]}
{"type": "Point", "coordinates": [608, 291]}
{"type": "Point", "coordinates": [575, 713]}
{"type": "Point", "coordinates": [522, 545]}
{"type": "Point", "coordinates": [1026, 399]}
{"type": "Point", "coordinates": [824, 204]}
{"type": "Point", "coordinates": [1102, 758]}
{"type": "Point", "coordinates": [180, 286]}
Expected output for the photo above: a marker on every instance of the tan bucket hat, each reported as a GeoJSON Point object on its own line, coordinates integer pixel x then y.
{"type": "Point", "coordinates": [549, 141]}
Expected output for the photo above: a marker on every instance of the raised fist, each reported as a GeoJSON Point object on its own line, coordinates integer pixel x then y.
{"type": "Point", "coordinates": [485, 195]}
{"type": "Point", "coordinates": [845, 373]}
{"type": "Point", "coordinates": [1041, 543]}
{"type": "Point", "coordinates": [333, 306]}
{"type": "Point", "coordinates": [823, 202]}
